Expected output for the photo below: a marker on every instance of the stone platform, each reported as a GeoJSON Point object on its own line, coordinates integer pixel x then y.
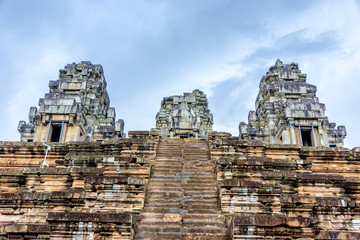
{"type": "Point", "coordinates": [144, 187]}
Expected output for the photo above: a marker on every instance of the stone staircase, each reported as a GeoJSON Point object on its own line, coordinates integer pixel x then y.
{"type": "Point", "coordinates": [182, 198]}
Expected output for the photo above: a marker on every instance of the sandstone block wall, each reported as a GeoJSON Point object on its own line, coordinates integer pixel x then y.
{"type": "Point", "coordinates": [89, 191]}
{"type": "Point", "coordinates": [287, 192]}
{"type": "Point", "coordinates": [97, 190]}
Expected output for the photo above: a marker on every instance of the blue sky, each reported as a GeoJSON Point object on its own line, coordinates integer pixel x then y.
{"type": "Point", "coordinates": [153, 49]}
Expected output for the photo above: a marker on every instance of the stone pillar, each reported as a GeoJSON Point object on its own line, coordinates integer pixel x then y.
{"type": "Point", "coordinates": [286, 137]}
{"type": "Point", "coordinates": [271, 126]}
{"type": "Point", "coordinates": [324, 141]}
{"type": "Point", "coordinates": [292, 132]}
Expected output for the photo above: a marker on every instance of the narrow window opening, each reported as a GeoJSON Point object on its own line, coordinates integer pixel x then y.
{"type": "Point", "coordinates": [306, 138]}
{"type": "Point", "coordinates": [55, 134]}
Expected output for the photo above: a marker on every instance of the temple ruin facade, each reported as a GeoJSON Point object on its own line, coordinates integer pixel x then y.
{"type": "Point", "coordinates": [77, 108]}
{"type": "Point", "coordinates": [185, 116]}
{"type": "Point", "coordinates": [288, 112]}
{"type": "Point", "coordinates": [286, 177]}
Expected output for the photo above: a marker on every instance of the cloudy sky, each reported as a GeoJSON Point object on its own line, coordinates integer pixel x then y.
{"type": "Point", "coordinates": [152, 49]}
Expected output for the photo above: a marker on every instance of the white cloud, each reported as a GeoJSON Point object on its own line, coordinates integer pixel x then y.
{"type": "Point", "coordinates": [150, 50]}
{"type": "Point", "coordinates": [29, 83]}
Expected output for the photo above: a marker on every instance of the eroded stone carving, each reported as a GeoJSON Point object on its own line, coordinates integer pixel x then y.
{"type": "Point", "coordinates": [185, 116]}
{"type": "Point", "coordinates": [288, 112]}
{"type": "Point", "coordinates": [77, 108]}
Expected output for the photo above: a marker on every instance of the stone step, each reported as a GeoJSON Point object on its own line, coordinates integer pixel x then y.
{"type": "Point", "coordinates": [201, 211]}
{"type": "Point", "coordinates": [196, 162]}
{"type": "Point", "coordinates": [207, 172]}
{"type": "Point", "coordinates": [205, 229]}
{"type": "Point", "coordinates": [158, 229]}
{"type": "Point", "coordinates": [212, 198]}
{"type": "Point", "coordinates": [168, 179]}
{"type": "Point", "coordinates": [186, 198]}
{"type": "Point", "coordinates": [182, 196]}
{"type": "Point", "coordinates": [169, 154]}
{"type": "Point", "coordinates": [159, 175]}
{"type": "Point", "coordinates": [202, 224]}
{"type": "Point", "coordinates": [162, 209]}
{"type": "Point", "coordinates": [172, 159]}
{"type": "Point", "coordinates": [159, 235]}
{"type": "Point", "coordinates": [199, 192]}
{"type": "Point", "coordinates": [199, 181]}
{"type": "Point", "coordinates": [162, 224]}
{"type": "Point", "coordinates": [144, 216]}
{"type": "Point", "coordinates": [171, 169]}
{"type": "Point", "coordinates": [196, 187]}
{"type": "Point", "coordinates": [166, 172]}
{"type": "Point", "coordinates": [185, 186]}
{"type": "Point", "coordinates": [200, 169]}
{"type": "Point", "coordinates": [205, 236]}
{"type": "Point", "coordinates": [203, 217]}
{"type": "Point", "coordinates": [208, 168]}
{"type": "Point", "coordinates": [201, 229]}
{"type": "Point", "coordinates": [188, 188]}
{"type": "Point", "coordinates": [170, 148]}
{"type": "Point", "coordinates": [210, 202]}
{"type": "Point", "coordinates": [200, 199]}
{"type": "Point", "coordinates": [169, 207]}
{"type": "Point", "coordinates": [203, 206]}
{"type": "Point", "coordinates": [170, 151]}
{"type": "Point", "coordinates": [191, 175]}
{"type": "Point", "coordinates": [160, 202]}
{"type": "Point", "coordinates": [164, 184]}
{"type": "Point", "coordinates": [167, 194]}
{"type": "Point", "coordinates": [196, 155]}
{"type": "Point", "coordinates": [164, 163]}
{"type": "Point", "coordinates": [164, 188]}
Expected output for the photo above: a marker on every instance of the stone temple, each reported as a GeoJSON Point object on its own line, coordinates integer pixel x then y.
{"type": "Point", "coordinates": [287, 176]}
{"type": "Point", "coordinates": [288, 112]}
{"type": "Point", "coordinates": [77, 108]}
{"type": "Point", "coordinates": [185, 116]}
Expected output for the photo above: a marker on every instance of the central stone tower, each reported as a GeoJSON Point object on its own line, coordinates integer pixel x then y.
{"type": "Point", "coordinates": [185, 116]}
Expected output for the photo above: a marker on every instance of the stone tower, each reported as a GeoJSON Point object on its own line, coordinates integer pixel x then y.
{"type": "Point", "coordinates": [288, 112]}
{"type": "Point", "coordinates": [185, 116]}
{"type": "Point", "coordinates": [77, 108]}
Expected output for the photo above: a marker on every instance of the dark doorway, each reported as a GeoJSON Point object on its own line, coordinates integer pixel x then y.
{"type": "Point", "coordinates": [55, 134]}
{"type": "Point", "coordinates": [184, 135]}
{"type": "Point", "coordinates": [306, 137]}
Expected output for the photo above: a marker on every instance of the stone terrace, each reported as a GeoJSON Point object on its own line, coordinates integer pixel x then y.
{"type": "Point", "coordinates": [146, 188]}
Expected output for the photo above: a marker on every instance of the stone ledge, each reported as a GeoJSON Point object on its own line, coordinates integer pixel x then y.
{"type": "Point", "coordinates": [42, 196]}
{"type": "Point", "coordinates": [97, 180]}
{"type": "Point", "coordinates": [271, 221]}
{"type": "Point", "coordinates": [241, 183]}
{"type": "Point", "coordinates": [46, 171]}
{"type": "Point", "coordinates": [311, 177]}
{"type": "Point", "coordinates": [89, 217]}
{"type": "Point", "coordinates": [27, 228]}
